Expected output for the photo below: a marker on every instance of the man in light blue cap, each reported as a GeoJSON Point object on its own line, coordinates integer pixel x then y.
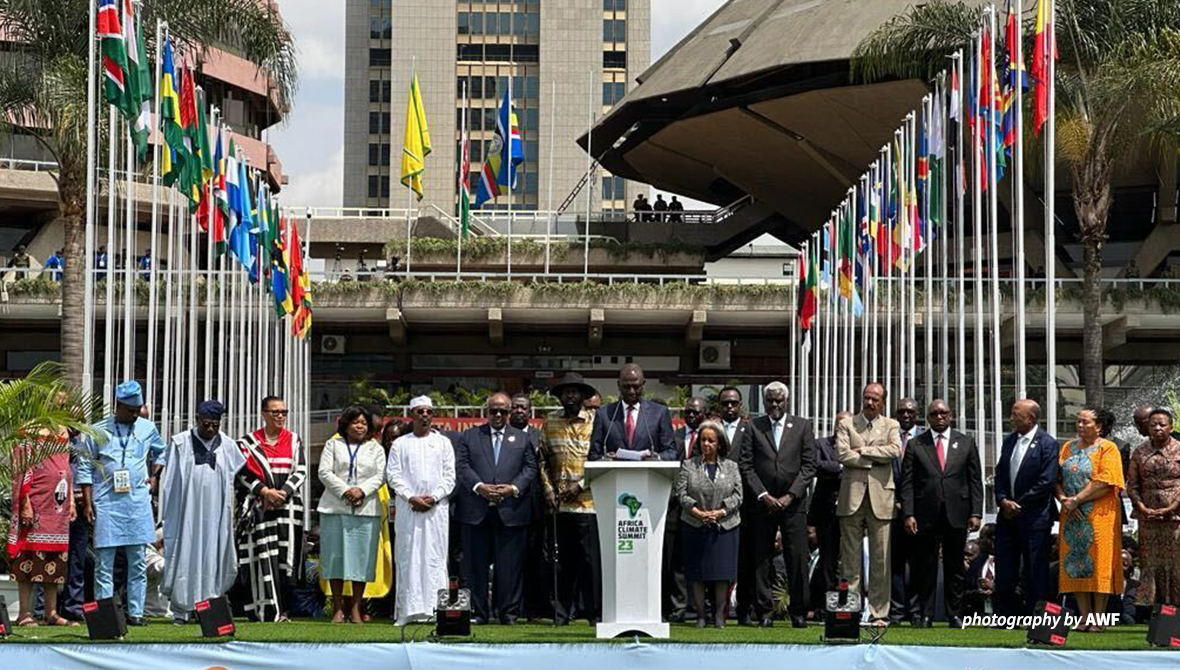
{"type": "Point", "coordinates": [117, 495]}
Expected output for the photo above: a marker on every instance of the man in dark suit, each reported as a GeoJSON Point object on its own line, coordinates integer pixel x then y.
{"type": "Point", "coordinates": [1025, 484]}
{"type": "Point", "coordinates": [821, 515]}
{"type": "Point", "coordinates": [778, 464]}
{"type": "Point", "coordinates": [903, 593]}
{"type": "Point", "coordinates": [675, 588]}
{"type": "Point", "coordinates": [942, 500]}
{"type": "Point", "coordinates": [538, 578]}
{"type": "Point", "coordinates": [633, 424]}
{"type": "Point", "coordinates": [495, 467]}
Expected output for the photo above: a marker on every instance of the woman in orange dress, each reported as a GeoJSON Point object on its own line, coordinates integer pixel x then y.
{"type": "Point", "coordinates": [1090, 548]}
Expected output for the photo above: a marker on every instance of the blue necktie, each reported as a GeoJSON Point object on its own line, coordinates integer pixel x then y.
{"type": "Point", "coordinates": [778, 434]}
{"type": "Point", "coordinates": [496, 447]}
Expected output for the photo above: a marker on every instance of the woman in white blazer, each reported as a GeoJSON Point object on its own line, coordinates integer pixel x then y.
{"type": "Point", "coordinates": [352, 468]}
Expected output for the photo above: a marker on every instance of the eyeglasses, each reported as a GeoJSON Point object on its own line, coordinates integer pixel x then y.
{"type": "Point", "coordinates": [278, 412]}
{"type": "Point", "coordinates": [731, 402]}
{"type": "Point", "coordinates": [499, 411]}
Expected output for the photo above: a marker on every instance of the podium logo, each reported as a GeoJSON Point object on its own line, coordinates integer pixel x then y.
{"type": "Point", "coordinates": [631, 503]}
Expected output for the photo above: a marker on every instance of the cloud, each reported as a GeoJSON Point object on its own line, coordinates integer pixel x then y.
{"type": "Point", "coordinates": [671, 20]}
{"type": "Point", "coordinates": [321, 187]}
{"type": "Point", "coordinates": [318, 27]}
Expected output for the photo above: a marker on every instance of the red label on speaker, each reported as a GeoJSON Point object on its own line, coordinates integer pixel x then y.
{"type": "Point", "coordinates": [843, 616]}
{"type": "Point", "coordinates": [1174, 642]}
{"type": "Point", "coordinates": [227, 629]}
{"type": "Point", "coordinates": [1169, 610]}
{"type": "Point", "coordinates": [1053, 608]}
{"type": "Point", "coordinates": [202, 606]}
{"type": "Point", "coordinates": [89, 607]}
{"type": "Point", "coordinates": [1056, 639]}
{"type": "Point", "coordinates": [3, 629]}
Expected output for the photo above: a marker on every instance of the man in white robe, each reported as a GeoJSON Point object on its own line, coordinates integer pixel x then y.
{"type": "Point", "coordinates": [197, 511]}
{"type": "Point", "coordinates": [421, 471]}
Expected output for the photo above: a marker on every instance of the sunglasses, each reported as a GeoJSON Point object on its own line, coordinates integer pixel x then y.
{"type": "Point", "coordinates": [499, 411]}
{"type": "Point", "coordinates": [423, 411]}
{"type": "Point", "coordinates": [278, 412]}
{"type": "Point", "coordinates": [731, 402]}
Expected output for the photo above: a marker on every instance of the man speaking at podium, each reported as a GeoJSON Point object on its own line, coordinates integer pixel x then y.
{"type": "Point", "coordinates": [633, 428]}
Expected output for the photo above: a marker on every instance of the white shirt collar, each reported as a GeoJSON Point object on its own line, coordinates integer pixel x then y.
{"type": "Point", "coordinates": [945, 435]}
{"type": "Point", "coordinates": [1031, 435]}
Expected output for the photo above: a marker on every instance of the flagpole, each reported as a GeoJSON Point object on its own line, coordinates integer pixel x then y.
{"type": "Point", "coordinates": [1018, 203]}
{"type": "Point", "coordinates": [208, 302]}
{"type": "Point", "coordinates": [928, 239]}
{"type": "Point", "coordinates": [829, 356]}
{"type": "Point", "coordinates": [153, 274]}
{"type": "Point", "coordinates": [888, 325]}
{"type": "Point", "coordinates": [461, 186]}
{"type": "Point", "coordinates": [912, 265]}
{"type": "Point", "coordinates": [997, 389]}
{"type": "Point", "coordinates": [589, 179]}
{"type": "Point", "coordinates": [960, 172]}
{"type": "Point", "coordinates": [1050, 220]}
{"type": "Point", "coordinates": [944, 241]}
{"type": "Point", "coordinates": [169, 282]}
{"type": "Point", "coordinates": [129, 274]}
{"type": "Point", "coordinates": [91, 201]}
{"type": "Point", "coordinates": [873, 264]}
{"type": "Point", "coordinates": [509, 168]}
{"type": "Point", "coordinates": [793, 343]}
{"type": "Point", "coordinates": [977, 244]}
{"type": "Point", "coordinates": [552, 215]}
{"type": "Point", "coordinates": [112, 215]}
{"type": "Point", "coordinates": [904, 223]}
{"type": "Point", "coordinates": [850, 307]}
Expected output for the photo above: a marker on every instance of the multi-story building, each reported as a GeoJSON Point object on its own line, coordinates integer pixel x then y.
{"type": "Point", "coordinates": [565, 60]}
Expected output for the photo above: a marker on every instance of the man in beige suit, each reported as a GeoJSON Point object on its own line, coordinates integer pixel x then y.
{"type": "Point", "coordinates": [866, 446]}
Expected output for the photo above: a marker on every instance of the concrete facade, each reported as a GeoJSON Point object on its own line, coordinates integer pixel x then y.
{"type": "Point", "coordinates": [561, 57]}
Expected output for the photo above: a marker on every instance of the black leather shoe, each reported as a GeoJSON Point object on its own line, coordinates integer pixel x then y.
{"type": "Point", "coordinates": [767, 622]}
{"type": "Point", "coordinates": [676, 617]}
{"type": "Point", "coordinates": [956, 622]}
{"type": "Point", "coordinates": [478, 621]}
{"type": "Point", "coordinates": [508, 621]}
{"type": "Point", "coordinates": [798, 621]}
{"type": "Point", "coordinates": [923, 622]}
{"type": "Point", "coordinates": [136, 621]}
{"type": "Point", "coordinates": [746, 621]}
{"type": "Point", "coordinates": [561, 621]}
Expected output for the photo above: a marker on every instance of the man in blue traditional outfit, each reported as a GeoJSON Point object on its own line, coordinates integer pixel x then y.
{"type": "Point", "coordinates": [116, 495]}
{"type": "Point", "coordinates": [197, 510]}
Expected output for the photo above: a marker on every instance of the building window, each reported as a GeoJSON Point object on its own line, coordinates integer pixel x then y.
{"type": "Point", "coordinates": [464, 23]}
{"type": "Point", "coordinates": [614, 59]}
{"type": "Point", "coordinates": [374, 123]}
{"type": "Point", "coordinates": [614, 5]}
{"type": "Point", "coordinates": [613, 188]}
{"type": "Point", "coordinates": [374, 154]}
{"type": "Point", "coordinates": [380, 57]}
{"type": "Point", "coordinates": [374, 91]}
{"type": "Point", "coordinates": [386, 91]}
{"type": "Point", "coordinates": [374, 185]}
{"type": "Point", "coordinates": [380, 27]}
{"type": "Point", "coordinates": [614, 30]}
{"type": "Point", "coordinates": [612, 92]}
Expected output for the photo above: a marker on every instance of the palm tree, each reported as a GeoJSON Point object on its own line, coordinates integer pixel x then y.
{"type": "Point", "coordinates": [43, 94]}
{"type": "Point", "coordinates": [1118, 92]}
{"type": "Point", "coordinates": [32, 408]}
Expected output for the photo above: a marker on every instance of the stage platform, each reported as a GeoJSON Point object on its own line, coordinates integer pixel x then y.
{"type": "Point", "coordinates": [319, 646]}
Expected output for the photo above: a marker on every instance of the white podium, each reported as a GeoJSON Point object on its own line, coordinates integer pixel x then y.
{"type": "Point", "coordinates": [631, 500]}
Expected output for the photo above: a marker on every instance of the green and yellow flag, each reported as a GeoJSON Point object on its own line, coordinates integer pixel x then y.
{"type": "Point", "coordinates": [417, 143]}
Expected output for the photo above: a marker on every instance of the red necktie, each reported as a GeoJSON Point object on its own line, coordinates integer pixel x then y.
{"type": "Point", "coordinates": [938, 444]}
{"type": "Point", "coordinates": [692, 442]}
{"type": "Point", "coordinates": [630, 426]}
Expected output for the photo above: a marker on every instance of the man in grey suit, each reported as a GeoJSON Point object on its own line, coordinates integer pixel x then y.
{"type": "Point", "coordinates": [866, 446]}
{"type": "Point", "coordinates": [778, 464]}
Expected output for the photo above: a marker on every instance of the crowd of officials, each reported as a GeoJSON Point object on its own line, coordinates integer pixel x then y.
{"type": "Point", "coordinates": [765, 517]}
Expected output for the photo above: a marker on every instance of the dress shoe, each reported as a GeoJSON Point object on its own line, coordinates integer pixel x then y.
{"type": "Point", "coordinates": [956, 622]}
{"type": "Point", "coordinates": [798, 621]}
{"type": "Point", "coordinates": [766, 622]}
{"type": "Point", "coordinates": [508, 621]}
{"type": "Point", "coordinates": [701, 622]}
{"type": "Point", "coordinates": [676, 617]}
{"type": "Point", "coordinates": [478, 621]}
{"type": "Point", "coordinates": [923, 622]}
{"type": "Point", "coordinates": [561, 621]}
{"type": "Point", "coordinates": [746, 621]}
{"type": "Point", "coordinates": [136, 621]}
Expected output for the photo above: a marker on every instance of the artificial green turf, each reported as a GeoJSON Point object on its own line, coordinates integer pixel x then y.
{"type": "Point", "coordinates": [1122, 637]}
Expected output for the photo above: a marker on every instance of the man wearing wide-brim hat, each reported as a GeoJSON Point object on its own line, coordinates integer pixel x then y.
{"type": "Point", "coordinates": [116, 495]}
{"type": "Point", "coordinates": [565, 444]}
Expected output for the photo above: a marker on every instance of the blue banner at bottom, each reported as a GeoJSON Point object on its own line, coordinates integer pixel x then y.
{"type": "Point", "coordinates": [426, 656]}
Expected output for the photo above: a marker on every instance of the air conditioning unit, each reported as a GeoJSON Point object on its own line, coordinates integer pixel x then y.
{"type": "Point", "coordinates": [715, 355]}
{"type": "Point", "coordinates": [333, 344]}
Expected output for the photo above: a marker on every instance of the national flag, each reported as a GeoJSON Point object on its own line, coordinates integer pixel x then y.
{"type": "Point", "coordinates": [138, 81]}
{"type": "Point", "coordinates": [233, 187]}
{"type": "Point", "coordinates": [956, 103]}
{"type": "Point", "coordinates": [1044, 48]}
{"type": "Point", "coordinates": [505, 154]}
{"type": "Point", "coordinates": [239, 235]}
{"type": "Point", "coordinates": [847, 251]}
{"type": "Point", "coordinates": [172, 156]}
{"type": "Point", "coordinates": [901, 232]}
{"type": "Point", "coordinates": [220, 197]}
{"type": "Point", "coordinates": [300, 285]}
{"type": "Point", "coordinates": [189, 182]}
{"type": "Point", "coordinates": [113, 46]}
{"type": "Point", "coordinates": [278, 271]}
{"type": "Point", "coordinates": [416, 147]}
{"type": "Point", "coordinates": [464, 173]}
{"type": "Point", "coordinates": [922, 161]}
{"type": "Point", "coordinates": [937, 150]}
{"type": "Point", "coordinates": [808, 299]}
{"type": "Point", "coordinates": [263, 240]}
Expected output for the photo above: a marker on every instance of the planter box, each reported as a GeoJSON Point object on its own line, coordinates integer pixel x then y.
{"type": "Point", "coordinates": [568, 261]}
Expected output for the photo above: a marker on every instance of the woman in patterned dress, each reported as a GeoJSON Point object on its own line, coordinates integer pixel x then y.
{"type": "Point", "coordinates": [39, 539]}
{"type": "Point", "coordinates": [1090, 540]}
{"type": "Point", "coordinates": [1153, 484]}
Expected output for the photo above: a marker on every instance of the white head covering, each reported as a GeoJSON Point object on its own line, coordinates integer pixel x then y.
{"type": "Point", "coordinates": [422, 401]}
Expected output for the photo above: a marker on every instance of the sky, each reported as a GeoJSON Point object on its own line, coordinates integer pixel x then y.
{"type": "Point", "coordinates": [311, 140]}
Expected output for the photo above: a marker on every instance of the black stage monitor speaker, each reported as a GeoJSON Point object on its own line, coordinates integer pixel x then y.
{"type": "Point", "coordinates": [1164, 629]}
{"type": "Point", "coordinates": [453, 612]}
{"type": "Point", "coordinates": [1046, 634]}
{"type": "Point", "coordinates": [104, 619]}
{"type": "Point", "coordinates": [215, 617]}
{"type": "Point", "coordinates": [842, 615]}
{"type": "Point", "coordinates": [5, 622]}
